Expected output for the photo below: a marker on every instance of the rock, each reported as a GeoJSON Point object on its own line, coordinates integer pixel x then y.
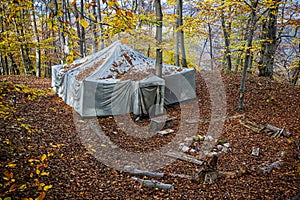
{"type": "Point", "coordinates": [165, 132]}
{"type": "Point", "coordinates": [209, 138]}
{"type": "Point", "coordinates": [210, 154]}
{"type": "Point", "coordinates": [220, 147]}
{"type": "Point", "coordinates": [225, 150]}
{"type": "Point", "coordinates": [192, 150]}
{"type": "Point", "coordinates": [255, 151]}
{"type": "Point", "coordinates": [185, 148]}
{"type": "Point", "coordinates": [227, 145]}
{"type": "Point", "coordinates": [189, 139]}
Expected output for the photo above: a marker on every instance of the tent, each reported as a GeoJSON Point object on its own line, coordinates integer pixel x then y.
{"type": "Point", "coordinates": [118, 80]}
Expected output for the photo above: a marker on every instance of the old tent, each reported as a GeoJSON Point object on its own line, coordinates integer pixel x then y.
{"type": "Point", "coordinates": [118, 80]}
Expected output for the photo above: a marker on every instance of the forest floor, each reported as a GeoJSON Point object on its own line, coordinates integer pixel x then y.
{"type": "Point", "coordinates": [43, 155]}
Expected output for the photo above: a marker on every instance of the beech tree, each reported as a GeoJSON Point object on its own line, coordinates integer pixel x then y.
{"type": "Point", "coordinates": [158, 37]}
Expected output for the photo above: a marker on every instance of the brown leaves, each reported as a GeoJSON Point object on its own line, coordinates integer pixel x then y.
{"type": "Point", "coordinates": [66, 170]}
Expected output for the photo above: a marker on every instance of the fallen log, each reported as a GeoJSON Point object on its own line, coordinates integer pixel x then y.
{"type": "Point", "coordinates": [277, 130]}
{"type": "Point", "coordinates": [195, 121]}
{"type": "Point", "coordinates": [132, 170]}
{"type": "Point", "coordinates": [181, 176]}
{"type": "Point", "coordinates": [252, 125]}
{"type": "Point", "coordinates": [154, 184]}
{"type": "Point", "coordinates": [269, 168]}
{"type": "Point", "coordinates": [184, 157]}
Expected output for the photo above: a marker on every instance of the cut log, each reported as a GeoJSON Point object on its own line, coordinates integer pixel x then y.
{"type": "Point", "coordinates": [269, 168]}
{"type": "Point", "coordinates": [153, 184]}
{"type": "Point", "coordinates": [132, 170]}
{"type": "Point", "coordinates": [184, 157]}
{"type": "Point", "coordinates": [276, 129]}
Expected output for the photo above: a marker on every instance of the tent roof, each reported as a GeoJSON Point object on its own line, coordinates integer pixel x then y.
{"type": "Point", "coordinates": [116, 63]}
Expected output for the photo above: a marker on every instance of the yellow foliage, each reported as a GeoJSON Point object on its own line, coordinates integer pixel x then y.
{"type": "Point", "coordinates": [84, 23]}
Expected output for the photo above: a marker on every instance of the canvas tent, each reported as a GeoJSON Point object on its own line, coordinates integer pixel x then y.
{"type": "Point", "coordinates": [118, 80]}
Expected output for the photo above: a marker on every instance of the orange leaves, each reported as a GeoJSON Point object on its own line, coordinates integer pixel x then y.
{"type": "Point", "coordinates": [7, 175]}
{"type": "Point", "coordinates": [42, 196]}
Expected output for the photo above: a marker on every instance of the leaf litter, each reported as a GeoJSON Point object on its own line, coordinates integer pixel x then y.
{"type": "Point", "coordinates": [39, 135]}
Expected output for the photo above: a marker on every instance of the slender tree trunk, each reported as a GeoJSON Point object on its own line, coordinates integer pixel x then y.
{"type": "Point", "coordinates": [177, 39]}
{"type": "Point", "coordinates": [158, 37]}
{"type": "Point", "coordinates": [181, 34]}
{"type": "Point", "coordinates": [210, 47]}
{"type": "Point", "coordinates": [22, 31]}
{"type": "Point", "coordinates": [250, 34]}
{"type": "Point", "coordinates": [95, 35]}
{"type": "Point", "coordinates": [227, 42]}
{"type": "Point", "coordinates": [6, 64]}
{"type": "Point", "coordinates": [202, 52]}
{"type": "Point", "coordinates": [82, 36]}
{"type": "Point", "coordinates": [134, 6]}
{"type": "Point", "coordinates": [99, 17]}
{"type": "Point", "coordinates": [37, 48]}
{"type": "Point", "coordinates": [13, 66]}
{"type": "Point", "coordinates": [296, 75]}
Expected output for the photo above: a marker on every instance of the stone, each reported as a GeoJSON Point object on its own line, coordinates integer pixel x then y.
{"type": "Point", "coordinates": [165, 132]}
{"type": "Point", "coordinates": [220, 147]}
{"type": "Point", "coordinates": [210, 154]}
{"type": "Point", "coordinates": [255, 151]}
{"type": "Point", "coordinates": [188, 139]}
{"type": "Point", "coordinates": [227, 145]}
{"type": "Point", "coordinates": [185, 149]}
{"type": "Point", "coordinates": [209, 138]}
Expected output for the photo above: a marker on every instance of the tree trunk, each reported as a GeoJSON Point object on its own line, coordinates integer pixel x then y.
{"type": "Point", "coordinates": [21, 49]}
{"type": "Point", "coordinates": [37, 48]}
{"type": "Point", "coordinates": [202, 52]}
{"type": "Point", "coordinates": [82, 36]}
{"type": "Point", "coordinates": [250, 34]}
{"type": "Point", "coordinates": [296, 74]}
{"type": "Point", "coordinates": [60, 33]}
{"type": "Point", "coordinates": [210, 47]}
{"type": "Point", "coordinates": [78, 28]}
{"type": "Point", "coordinates": [269, 42]}
{"type": "Point", "coordinates": [4, 64]}
{"type": "Point", "coordinates": [13, 67]}
{"type": "Point", "coordinates": [227, 42]}
{"type": "Point", "coordinates": [99, 17]}
{"type": "Point", "coordinates": [181, 33]}
{"type": "Point", "coordinates": [177, 39]}
{"type": "Point", "coordinates": [158, 37]}
{"type": "Point", "coordinates": [95, 35]}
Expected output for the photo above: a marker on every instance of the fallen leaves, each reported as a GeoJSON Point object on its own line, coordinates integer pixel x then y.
{"type": "Point", "coordinates": [50, 161]}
